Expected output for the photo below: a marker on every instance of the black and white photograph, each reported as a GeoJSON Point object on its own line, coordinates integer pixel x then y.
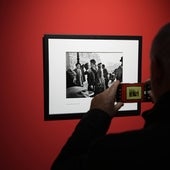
{"type": "Point", "coordinates": [89, 73]}
{"type": "Point", "coordinates": [78, 67]}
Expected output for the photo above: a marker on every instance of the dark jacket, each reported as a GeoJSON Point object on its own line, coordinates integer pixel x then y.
{"type": "Point", "coordinates": [90, 147]}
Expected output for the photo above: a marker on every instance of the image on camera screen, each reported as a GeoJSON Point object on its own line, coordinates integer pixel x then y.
{"type": "Point", "coordinates": [133, 92]}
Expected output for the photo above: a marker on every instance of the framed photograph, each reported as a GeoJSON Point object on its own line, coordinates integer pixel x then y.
{"type": "Point", "coordinates": [77, 67]}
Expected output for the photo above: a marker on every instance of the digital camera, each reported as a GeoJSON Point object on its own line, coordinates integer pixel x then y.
{"type": "Point", "coordinates": [134, 92]}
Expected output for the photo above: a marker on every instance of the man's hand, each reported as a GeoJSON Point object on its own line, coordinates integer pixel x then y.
{"type": "Point", "coordinates": [148, 82]}
{"type": "Point", "coordinates": [106, 100]}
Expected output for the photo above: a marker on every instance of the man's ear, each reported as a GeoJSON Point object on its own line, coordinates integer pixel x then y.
{"type": "Point", "coordinates": [157, 71]}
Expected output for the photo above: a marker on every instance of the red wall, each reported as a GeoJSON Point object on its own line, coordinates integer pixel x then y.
{"type": "Point", "coordinates": [27, 141]}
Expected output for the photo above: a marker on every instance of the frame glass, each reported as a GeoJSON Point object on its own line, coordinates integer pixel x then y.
{"type": "Point", "coordinates": [77, 67]}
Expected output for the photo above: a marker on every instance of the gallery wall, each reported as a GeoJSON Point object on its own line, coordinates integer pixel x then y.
{"type": "Point", "coordinates": [27, 141]}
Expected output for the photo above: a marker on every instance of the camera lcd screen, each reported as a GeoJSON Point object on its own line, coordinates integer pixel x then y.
{"type": "Point", "coordinates": [133, 92]}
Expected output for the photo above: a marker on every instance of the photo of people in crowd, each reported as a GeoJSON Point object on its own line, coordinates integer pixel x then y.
{"type": "Point", "coordinates": [89, 73]}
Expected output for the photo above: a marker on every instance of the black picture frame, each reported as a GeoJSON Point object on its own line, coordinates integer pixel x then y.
{"type": "Point", "coordinates": [62, 52]}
